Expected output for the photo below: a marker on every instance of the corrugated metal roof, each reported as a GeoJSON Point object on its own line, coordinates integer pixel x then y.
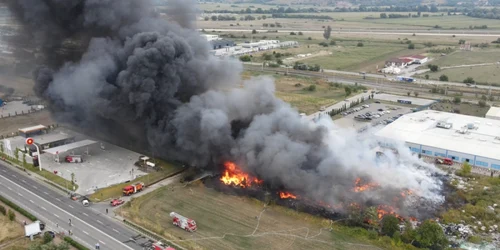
{"type": "Point", "coordinates": [68, 147]}
{"type": "Point", "coordinates": [420, 128]}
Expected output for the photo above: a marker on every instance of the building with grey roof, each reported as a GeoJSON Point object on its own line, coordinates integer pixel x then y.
{"type": "Point", "coordinates": [461, 138]}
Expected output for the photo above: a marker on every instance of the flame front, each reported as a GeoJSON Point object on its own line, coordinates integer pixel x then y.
{"type": "Point", "coordinates": [234, 176]}
{"type": "Point", "coordinates": [287, 195]}
{"type": "Point", "coordinates": [358, 187]}
{"type": "Point", "coordinates": [384, 210]}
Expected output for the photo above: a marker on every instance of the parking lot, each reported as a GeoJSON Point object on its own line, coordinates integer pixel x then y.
{"type": "Point", "coordinates": [103, 164]}
{"type": "Point", "coordinates": [377, 113]}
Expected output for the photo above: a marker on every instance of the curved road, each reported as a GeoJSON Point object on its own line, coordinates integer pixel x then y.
{"type": "Point", "coordinates": [89, 226]}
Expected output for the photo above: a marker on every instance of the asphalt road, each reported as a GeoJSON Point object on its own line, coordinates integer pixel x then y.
{"type": "Point", "coordinates": [89, 226]}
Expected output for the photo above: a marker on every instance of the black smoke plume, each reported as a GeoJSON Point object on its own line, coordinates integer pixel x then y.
{"type": "Point", "coordinates": [153, 82]}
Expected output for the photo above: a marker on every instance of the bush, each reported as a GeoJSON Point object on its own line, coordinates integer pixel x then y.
{"type": "Point", "coordinates": [469, 80]}
{"type": "Point", "coordinates": [292, 33]}
{"type": "Point", "coordinates": [2, 210]}
{"type": "Point", "coordinates": [411, 46]}
{"type": "Point", "coordinates": [309, 38]}
{"type": "Point", "coordinates": [433, 67]}
{"type": "Point", "coordinates": [18, 209]}
{"type": "Point", "coordinates": [465, 170]}
{"type": "Point", "coordinates": [360, 44]}
{"type": "Point", "coordinates": [324, 44]}
{"type": "Point", "coordinates": [75, 244]}
{"type": "Point", "coordinates": [311, 88]}
{"type": "Point", "coordinates": [254, 31]}
{"type": "Point", "coordinates": [431, 235]}
{"type": "Point", "coordinates": [457, 100]}
{"type": "Point", "coordinates": [332, 42]}
{"type": "Point", "coordinates": [12, 215]}
{"type": "Point", "coordinates": [443, 78]}
{"type": "Point", "coordinates": [482, 103]}
{"type": "Point", "coordinates": [245, 58]}
{"type": "Point", "coordinates": [47, 238]}
{"type": "Point", "coordinates": [300, 33]}
{"type": "Point", "coordinates": [390, 225]}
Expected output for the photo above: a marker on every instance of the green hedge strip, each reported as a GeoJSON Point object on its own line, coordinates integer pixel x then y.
{"type": "Point", "coordinates": [74, 243]}
{"type": "Point", "coordinates": [18, 209]}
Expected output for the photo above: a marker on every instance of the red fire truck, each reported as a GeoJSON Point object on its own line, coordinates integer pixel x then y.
{"type": "Point", "coordinates": [183, 222]}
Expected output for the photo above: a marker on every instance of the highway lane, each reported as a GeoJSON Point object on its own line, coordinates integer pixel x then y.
{"type": "Point", "coordinates": [89, 226]}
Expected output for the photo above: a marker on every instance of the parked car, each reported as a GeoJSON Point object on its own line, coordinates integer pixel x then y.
{"type": "Point", "coordinates": [380, 109]}
{"type": "Point", "coordinates": [377, 101]}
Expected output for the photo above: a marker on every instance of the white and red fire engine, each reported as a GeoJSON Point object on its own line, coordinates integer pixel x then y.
{"type": "Point", "coordinates": [183, 222]}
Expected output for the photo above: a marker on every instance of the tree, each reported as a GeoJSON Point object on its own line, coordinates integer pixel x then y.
{"type": "Point", "coordinates": [383, 15]}
{"type": "Point", "coordinates": [1, 148]}
{"type": "Point", "coordinates": [254, 32]}
{"type": "Point", "coordinates": [279, 61]}
{"type": "Point", "coordinates": [390, 225]}
{"type": "Point", "coordinates": [360, 44]}
{"type": "Point", "coordinates": [427, 77]}
{"type": "Point", "coordinates": [73, 178]}
{"type": "Point", "coordinates": [47, 238]}
{"type": "Point", "coordinates": [415, 93]}
{"type": "Point", "coordinates": [484, 98]}
{"type": "Point", "coordinates": [207, 18]}
{"type": "Point", "coordinates": [411, 46]}
{"type": "Point", "coordinates": [443, 78]}
{"type": "Point", "coordinates": [17, 154]}
{"type": "Point", "coordinates": [267, 57]}
{"type": "Point", "coordinates": [457, 100]}
{"type": "Point", "coordinates": [408, 93]}
{"type": "Point", "coordinates": [2, 210]}
{"type": "Point", "coordinates": [327, 32]}
{"type": "Point", "coordinates": [431, 235]}
{"type": "Point", "coordinates": [461, 41]}
{"type": "Point", "coordinates": [347, 91]}
{"type": "Point", "coordinates": [469, 80]}
{"type": "Point", "coordinates": [214, 18]}
{"type": "Point", "coordinates": [482, 103]}
{"type": "Point", "coordinates": [300, 33]}
{"type": "Point", "coordinates": [264, 17]}
{"type": "Point", "coordinates": [24, 160]}
{"type": "Point", "coordinates": [11, 215]}
{"type": "Point", "coordinates": [433, 67]}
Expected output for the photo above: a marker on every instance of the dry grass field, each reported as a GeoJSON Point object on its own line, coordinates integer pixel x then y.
{"type": "Point", "coordinates": [232, 222]}
{"type": "Point", "coordinates": [9, 230]}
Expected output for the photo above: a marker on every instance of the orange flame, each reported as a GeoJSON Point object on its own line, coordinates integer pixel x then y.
{"type": "Point", "coordinates": [358, 187]}
{"type": "Point", "coordinates": [234, 176]}
{"type": "Point", "coordinates": [287, 195]}
{"type": "Point", "coordinates": [384, 210]}
{"type": "Point", "coordinates": [406, 192]}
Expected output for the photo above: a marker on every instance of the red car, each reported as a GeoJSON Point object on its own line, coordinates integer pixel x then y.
{"type": "Point", "coordinates": [116, 202]}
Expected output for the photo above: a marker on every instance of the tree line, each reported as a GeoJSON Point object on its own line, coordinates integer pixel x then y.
{"type": "Point", "coordinates": [361, 8]}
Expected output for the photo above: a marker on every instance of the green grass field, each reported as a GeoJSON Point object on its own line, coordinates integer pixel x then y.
{"type": "Point", "coordinates": [477, 56]}
{"type": "Point", "coordinates": [291, 89]}
{"type": "Point", "coordinates": [347, 56]}
{"type": "Point", "coordinates": [483, 74]}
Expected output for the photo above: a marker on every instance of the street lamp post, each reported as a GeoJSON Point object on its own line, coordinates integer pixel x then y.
{"type": "Point", "coordinates": [30, 141]}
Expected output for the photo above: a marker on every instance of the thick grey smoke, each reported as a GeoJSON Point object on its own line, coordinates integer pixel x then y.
{"type": "Point", "coordinates": [154, 81]}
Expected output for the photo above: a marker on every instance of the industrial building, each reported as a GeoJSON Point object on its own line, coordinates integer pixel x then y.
{"type": "Point", "coordinates": [439, 134]}
{"type": "Point", "coordinates": [493, 113]}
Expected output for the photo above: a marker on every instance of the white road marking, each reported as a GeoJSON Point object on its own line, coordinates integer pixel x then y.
{"type": "Point", "coordinates": [20, 194]}
{"type": "Point", "coordinates": [58, 199]}
{"type": "Point", "coordinates": [102, 242]}
{"type": "Point", "coordinates": [14, 176]}
{"type": "Point", "coordinates": [4, 171]}
{"type": "Point", "coordinates": [70, 206]}
{"type": "Point", "coordinates": [9, 188]}
{"type": "Point", "coordinates": [58, 208]}
{"type": "Point", "coordinates": [32, 201]}
{"type": "Point", "coordinates": [116, 230]}
{"type": "Point", "coordinates": [85, 214]}
{"type": "Point", "coordinates": [23, 181]}
{"type": "Point", "coordinates": [44, 208]}
{"type": "Point", "coordinates": [46, 193]}
{"type": "Point", "coordinates": [35, 187]}
{"type": "Point", "coordinates": [85, 232]}
{"type": "Point", "coordinates": [100, 222]}
{"type": "Point", "coordinates": [56, 215]}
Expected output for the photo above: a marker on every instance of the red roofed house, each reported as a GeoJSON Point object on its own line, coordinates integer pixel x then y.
{"type": "Point", "coordinates": [417, 59]}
